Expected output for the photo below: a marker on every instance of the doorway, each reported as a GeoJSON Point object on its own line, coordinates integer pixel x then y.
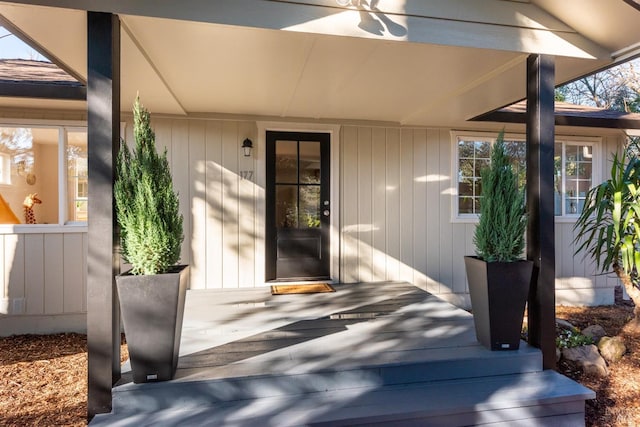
{"type": "Point", "coordinates": [298, 206]}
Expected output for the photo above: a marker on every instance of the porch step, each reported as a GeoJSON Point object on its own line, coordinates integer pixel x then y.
{"type": "Point", "coordinates": [268, 377]}
{"type": "Point", "coordinates": [359, 356]}
{"type": "Point", "coordinates": [534, 398]}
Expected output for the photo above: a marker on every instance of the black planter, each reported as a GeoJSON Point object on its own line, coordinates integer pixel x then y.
{"type": "Point", "coordinates": [152, 309]}
{"type": "Point", "coordinates": [499, 292]}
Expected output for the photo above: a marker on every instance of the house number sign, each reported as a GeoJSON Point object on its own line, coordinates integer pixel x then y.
{"type": "Point", "coordinates": [248, 175]}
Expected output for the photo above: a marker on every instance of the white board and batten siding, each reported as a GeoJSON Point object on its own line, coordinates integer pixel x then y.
{"type": "Point", "coordinates": [396, 217]}
{"type": "Point", "coordinates": [218, 191]}
{"type": "Point", "coordinates": [393, 193]}
{"type": "Point", "coordinates": [44, 278]}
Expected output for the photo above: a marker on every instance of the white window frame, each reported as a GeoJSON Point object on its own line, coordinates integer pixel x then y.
{"type": "Point", "coordinates": [62, 225]}
{"type": "Point", "coordinates": [596, 168]}
{"type": "Point", "coordinates": [62, 175]}
{"type": "Point", "coordinates": [595, 142]}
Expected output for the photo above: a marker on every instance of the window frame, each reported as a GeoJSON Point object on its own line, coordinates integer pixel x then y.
{"type": "Point", "coordinates": [596, 167]}
{"type": "Point", "coordinates": [62, 225]}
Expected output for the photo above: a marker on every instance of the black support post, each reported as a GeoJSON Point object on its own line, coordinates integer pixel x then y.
{"type": "Point", "coordinates": [540, 201]}
{"type": "Point", "coordinates": [103, 104]}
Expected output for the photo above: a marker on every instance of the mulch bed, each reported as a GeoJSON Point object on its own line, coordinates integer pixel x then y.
{"type": "Point", "coordinates": [617, 401]}
{"type": "Point", "coordinates": [43, 379]}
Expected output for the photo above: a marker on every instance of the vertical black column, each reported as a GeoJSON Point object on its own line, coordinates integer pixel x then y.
{"type": "Point", "coordinates": [103, 104]}
{"type": "Point", "coordinates": [540, 201]}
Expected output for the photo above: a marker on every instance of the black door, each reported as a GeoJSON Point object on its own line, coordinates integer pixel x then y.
{"type": "Point", "coordinates": [298, 206]}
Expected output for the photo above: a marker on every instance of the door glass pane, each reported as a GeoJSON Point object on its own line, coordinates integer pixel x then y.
{"type": "Point", "coordinates": [310, 162]}
{"type": "Point", "coordinates": [287, 162]}
{"type": "Point", "coordinates": [309, 206]}
{"type": "Point", "coordinates": [287, 206]}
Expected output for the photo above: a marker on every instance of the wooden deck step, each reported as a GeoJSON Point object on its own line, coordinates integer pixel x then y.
{"type": "Point", "coordinates": [536, 399]}
{"type": "Point", "coordinates": [369, 354]}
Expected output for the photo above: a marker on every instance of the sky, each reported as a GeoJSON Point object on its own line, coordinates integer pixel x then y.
{"type": "Point", "coordinates": [12, 47]}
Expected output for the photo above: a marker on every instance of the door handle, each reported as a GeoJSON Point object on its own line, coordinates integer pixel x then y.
{"type": "Point", "coordinates": [326, 212]}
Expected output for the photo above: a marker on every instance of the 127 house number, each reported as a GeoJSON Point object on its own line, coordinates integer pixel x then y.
{"type": "Point", "coordinates": [248, 175]}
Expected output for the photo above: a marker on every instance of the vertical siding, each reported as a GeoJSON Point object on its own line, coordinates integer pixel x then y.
{"type": "Point", "coordinates": [230, 210]}
{"type": "Point", "coordinates": [379, 203]}
{"type": "Point", "coordinates": [392, 208]}
{"type": "Point", "coordinates": [246, 211]}
{"type": "Point", "coordinates": [74, 274]}
{"type": "Point", "coordinates": [213, 197]}
{"type": "Point", "coordinates": [180, 170]}
{"type": "Point", "coordinates": [349, 206]}
{"type": "Point", "coordinates": [53, 253]}
{"type": "Point", "coordinates": [14, 265]}
{"type": "Point", "coordinates": [406, 205]}
{"type": "Point", "coordinates": [45, 273]}
{"type": "Point", "coordinates": [396, 214]}
{"type": "Point", "coordinates": [421, 214]}
{"type": "Point", "coordinates": [34, 273]}
{"type": "Point", "coordinates": [445, 238]}
{"type": "Point", "coordinates": [365, 205]}
{"type": "Point", "coordinates": [198, 205]}
{"type": "Point", "coordinates": [433, 178]}
{"type": "Point", "coordinates": [219, 206]}
{"type": "Point", "coordinates": [395, 195]}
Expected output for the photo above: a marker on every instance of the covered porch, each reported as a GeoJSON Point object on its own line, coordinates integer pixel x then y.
{"type": "Point", "coordinates": [309, 64]}
{"type": "Point", "coordinates": [385, 352]}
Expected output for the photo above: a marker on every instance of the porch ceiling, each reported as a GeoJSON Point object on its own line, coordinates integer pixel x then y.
{"type": "Point", "coordinates": [400, 64]}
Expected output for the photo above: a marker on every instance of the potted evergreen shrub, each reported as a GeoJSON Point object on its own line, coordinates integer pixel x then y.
{"type": "Point", "coordinates": [499, 278]}
{"type": "Point", "coordinates": [152, 293]}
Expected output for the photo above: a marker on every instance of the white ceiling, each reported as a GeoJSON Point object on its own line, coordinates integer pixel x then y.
{"type": "Point", "coordinates": [403, 66]}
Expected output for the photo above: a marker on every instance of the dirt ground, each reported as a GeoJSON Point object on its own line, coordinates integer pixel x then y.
{"type": "Point", "coordinates": [43, 379]}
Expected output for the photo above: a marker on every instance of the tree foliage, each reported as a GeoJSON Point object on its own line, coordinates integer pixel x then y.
{"type": "Point", "coordinates": [499, 235]}
{"type": "Point", "coordinates": [147, 207]}
{"type": "Point", "coordinates": [608, 229]}
{"type": "Point", "coordinates": [616, 88]}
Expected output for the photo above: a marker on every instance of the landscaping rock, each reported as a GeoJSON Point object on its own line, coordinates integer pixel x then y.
{"type": "Point", "coordinates": [595, 332]}
{"type": "Point", "coordinates": [612, 348]}
{"type": "Point", "coordinates": [588, 359]}
{"type": "Point", "coordinates": [558, 354]}
{"type": "Point", "coordinates": [563, 324]}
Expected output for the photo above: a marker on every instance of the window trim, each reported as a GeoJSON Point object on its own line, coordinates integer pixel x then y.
{"type": "Point", "coordinates": [595, 142]}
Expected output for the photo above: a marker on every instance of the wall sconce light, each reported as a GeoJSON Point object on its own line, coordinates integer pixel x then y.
{"type": "Point", "coordinates": [247, 145]}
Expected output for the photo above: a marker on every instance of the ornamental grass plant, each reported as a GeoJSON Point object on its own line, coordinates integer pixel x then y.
{"type": "Point", "coordinates": [147, 206]}
{"type": "Point", "coordinates": [499, 235]}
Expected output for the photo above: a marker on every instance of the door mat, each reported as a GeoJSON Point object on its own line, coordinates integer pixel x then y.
{"type": "Point", "coordinates": [301, 289]}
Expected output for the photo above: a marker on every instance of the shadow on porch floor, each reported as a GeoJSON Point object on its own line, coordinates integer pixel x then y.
{"type": "Point", "coordinates": [368, 353]}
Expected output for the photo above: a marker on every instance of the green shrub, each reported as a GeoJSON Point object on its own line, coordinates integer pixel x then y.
{"type": "Point", "coordinates": [567, 338]}
{"type": "Point", "coordinates": [499, 235]}
{"type": "Point", "coordinates": [147, 207]}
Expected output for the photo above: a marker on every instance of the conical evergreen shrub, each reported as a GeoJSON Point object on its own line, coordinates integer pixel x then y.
{"type": "Point", "coordinates": [147, 206]}
{"type": "Point", "coordinates": [499, 235]}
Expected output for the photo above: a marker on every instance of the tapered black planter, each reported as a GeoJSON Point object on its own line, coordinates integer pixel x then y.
{"type": "Point", "coordinates": [152, 309]}
{"type": "Point", "coordinates": [499, 292]}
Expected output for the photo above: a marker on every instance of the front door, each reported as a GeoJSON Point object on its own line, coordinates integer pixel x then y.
{"type": "Point", "coordinates": [298, 206]}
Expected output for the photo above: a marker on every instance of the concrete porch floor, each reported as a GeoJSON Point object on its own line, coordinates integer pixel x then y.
{"type": "Point", "coordinates": [369, 353]}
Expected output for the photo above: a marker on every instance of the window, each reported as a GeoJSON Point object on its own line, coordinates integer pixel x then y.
{"type": "Point", "coordinates": [573, 177]}
{"type": "Point", "coordinates": [473, 155]}
{"type": "Point", "coordinates": [574, 167]}
{"type": "Point", "coordinates": [50, 161]}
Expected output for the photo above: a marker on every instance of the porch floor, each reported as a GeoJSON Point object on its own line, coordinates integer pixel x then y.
{"type": "Point", "coordinates": [369, 353]}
